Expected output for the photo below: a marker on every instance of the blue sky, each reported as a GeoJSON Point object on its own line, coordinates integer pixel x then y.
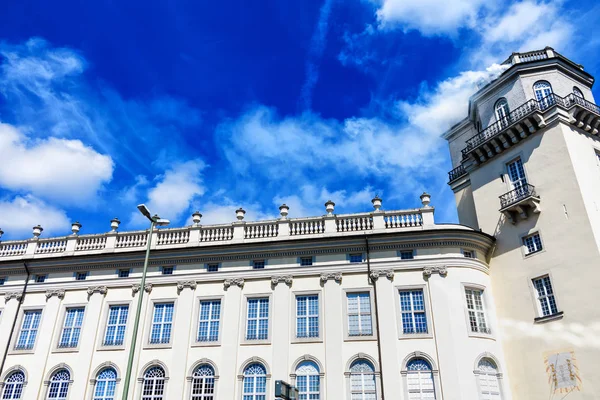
{"type": "Point", "coordinates": [188, 105]}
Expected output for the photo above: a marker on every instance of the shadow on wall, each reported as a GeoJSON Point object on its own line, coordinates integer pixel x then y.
{"type": "Point", "coordinates": [557, 333]}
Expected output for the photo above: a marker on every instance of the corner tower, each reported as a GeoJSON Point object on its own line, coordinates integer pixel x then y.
{"type": "Point", "coordinates": [526, 165]}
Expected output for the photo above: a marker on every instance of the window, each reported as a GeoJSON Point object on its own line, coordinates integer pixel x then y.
{"type": "Point", "coordinates": [308, 381]}
{"type": "Point", "coordinates": [356, 258]}
{"type": "Point", "coordinates": [162, 323]}
{"type": "Point", "coordinates": [123, 273]}
{"type": "Point", "coordinates": [577, 92]}
{"type": "Point", "coordinates": [40, 278]}
{"type": "Point", "coordinates": [208, 320]}
{"type": "Point", "coordinates": [212, 267]}
{"type": "Point", "coordinates": [59, 385]}
{"type": "Point", "coordinates": [487, 377]}
{"type": "Point", "coordinates": [362, 381]}
{"type": "Point", "coordinates": [502, 112]}
{"type": "Point", "coordinates": [106, 383]}
{"type": "Point", "coordinates": [71, 328]}
{"type": "Point", "coordinates": [532, 244]}
{"type": "Point", "coordinates": [412, 306]}
{"type": "Point", "coordinates": [476, 311]}
{"type": "Point", "coordinates": [255, 382]}
{"type": "Point", "coordinates": [542, 91]}
{"type": "Point", "coordinates": [307, 316]}
{"type": "Point", "coordinates": [419, 380]}
{"type": "Point", "coordinates": [80, 276]}
{"type": "Point", "coordinates": [258, 264]}
{"type": "Point", "coordinates": [516, 176]}
{"type": "Point", "coordinates": [167, 270]}
{"type": "Point", "coordinates": [545, 295]}
{"type": "Point", "coordinates": [13, 386]}
{"type": "Point", "coordinates": [306, 261]}
{"type": "Point", "coordinates": [29, 329]}
{"type": "Point", "coordinates": [359, 314]}
{"type": "Point", "coordinates": [203, 383]}
{"type": "Point", "coordinates": [2, 280]}
{"type": "Point", "coordinates": [116, 325]}
{"type": "Point", "coordinates": [407, 254]}
{"type": "Point", "coordinates": [468, 253]}
{"type": "Point", "coordinates": [257, 324]}
{"type": "Point", "coordinates": [153, 386]}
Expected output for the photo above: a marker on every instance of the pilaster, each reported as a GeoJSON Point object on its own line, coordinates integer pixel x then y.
{"type": "Point", "coordinates": [230, 336]}
{"type": "Point", "coordinates": [333, 334]}
{"type": "Point", "coordinates": [281, 331]}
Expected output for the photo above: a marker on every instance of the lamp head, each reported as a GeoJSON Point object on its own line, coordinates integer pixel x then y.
{"type": "Point", "coordinates": [160, 221]}
{"type": "Point", "coordinates": [144, 210]}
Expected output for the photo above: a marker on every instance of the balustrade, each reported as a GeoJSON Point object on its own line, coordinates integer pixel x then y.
{"type": "Point", "coordinates": [216, 233]}
{"type": "Point", "coordinates": [138, 239]}
{"type": "Point", "coordinates": [353, 223]}
{"type": "Point", "coordinates": [46, 246]}
{"type": "Point", "coordinates": [261, 230]}
{"type": "Point", "coordinates": [9, 249]}
{"type": "Point", "coordinates": [96, 242]}
{"type": "Point", "coordinates": [402, 220]}
{"type": "Point", "coordinates": [172, 236]}
{"type": "Point", "coordinates": [307, 227]}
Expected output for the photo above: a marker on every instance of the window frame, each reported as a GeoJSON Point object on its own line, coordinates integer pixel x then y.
{"type": "Point", "coordinates": [104, 324]}
{"type": "Point", "coordinates": [347, 336]}
{"type": "Point", "coordinates": [145, 369]}
{"type": "Point", "coordinates": [241, 375]}
{"type": "Point", "coordinates": [486, 311]}
{"type": "Point", "coordinates": [539, 316]}
{"type": "Point", "coordinates": [167, 267]}
{"type": "Point", "coordinates": [149, 323]}
{"type": "Point", "coordinates": [258, 261]}
{"type": "Point", "coordinates": [122, 270]}
{"type": "Point", "coordinates": [362, 258]}
{"type": "Point", "coordinates": [3, 280]}
{"type": "Point", "coordinates": [293, 324]}
{"type": "Point", "coordinates": [319, 374]}
{"type": "Point", "coordinates": [477, 372]}
{"type": "Point", "coordinates": [77, 274]}
{"type": "Point", "coordinates": [8, 374]}
{"type": "Point", "coordinates": [473, 253]}
{"type": "Point", "coordinates": [524, 247]}
{"type": "Point", "coordinates": [502, 102]}
{"type": "Point", "coordinates": [427, 307]}
{"type": "Point", "coordinates": [54, 371]}
{"type": "Point", "coordinates": [507, 179]}
{"type": "Point", "coordinates": [244, 315]}
{"type": "Point", "coordinates": [208, 266]}
{"type": "Point", "coordinates": [412, 251]}
{"type": "Point", "coordinates": [194, 337]}
{"type": "Point", "coordinates": [94, 380]}
{"type": "Point", "coordinates": [311, 258]}
{"type": "Point", "coordinates": [15, 338]}
{"type": "Point", "coordinates": [434, 372]}
{"type": "Point", "coordinates": [63, 313]}
{"type": "Point", "coordinates": [376, 374]}
{"type": "Point", "coordinates": [191, 377]}
{"type": "Point", "coordinates": [40, 278]}
{"type": "Point", "coordinates": [580, 94]}
{"type": "Point", "coordinates": [535, 91]}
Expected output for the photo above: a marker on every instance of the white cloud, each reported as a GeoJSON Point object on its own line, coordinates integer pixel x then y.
{"type": "Point", "coordinates": [21, 213]}
{"type": "Point", "coordinates": [224, 212]}
{"type": "Point", "coordinates": [63, 170]}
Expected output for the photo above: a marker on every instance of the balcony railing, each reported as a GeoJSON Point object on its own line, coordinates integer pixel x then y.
{"type": "Point", "coordinates": [516, 195]}
{"type": "Point", "coordinates": [456, 173]}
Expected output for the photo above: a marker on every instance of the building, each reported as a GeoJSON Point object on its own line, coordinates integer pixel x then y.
{"type": "Point", "coordinates": [527, 171]}
{"type": "Point", "coordinates": [374, 305]}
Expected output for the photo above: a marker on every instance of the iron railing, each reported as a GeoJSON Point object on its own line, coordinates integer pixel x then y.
{"type": "Point", "coordinates": [456, 173]}
{"type": "Point", "coordinates": [517, 195]}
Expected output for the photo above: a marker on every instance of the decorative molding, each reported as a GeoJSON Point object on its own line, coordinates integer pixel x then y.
{"type": "Point", "coordinates": [442, 270]}
{"type": "Point", "coordinates": [13, 295]}
{"type": "Point", "coordinates": [136, 288]}
{"type": "Point", "coordinates": [97, 289]}
{"type": "Point", "coordinates": [233, 282]}
{"type": "Point", "coordinates": [388, 273]}
{"type": "Point", "coordinates": [336, 276]}
{"type": "Point", "coordinates": [60, 293]}
{"type": "Point", "coordinates": [288, 279]}
{"type": "Point", "coordinates": [186, 284]}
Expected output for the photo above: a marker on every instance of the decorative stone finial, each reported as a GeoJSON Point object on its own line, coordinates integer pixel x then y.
{"type": "Point", "coordinates": [75, 227]}
{"type": "Point", "coordinates": [376, 203]}
{"type": "Point", "coordinates": [329, 207]}
{"type": "Point", "coordinates": [114, 224]}
{"type": "Point", "coordinates": [425, 199]}
{"type": "Point", "coordinates": [196, 218]}
{"type": "Point", "coordinates": [239, 213]}
{"type": "Point", "coordinates": [37, 231]}
{"type": "Point", "coordinates": [284, 211]}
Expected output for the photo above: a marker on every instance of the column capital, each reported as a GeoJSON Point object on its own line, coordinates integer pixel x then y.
{"type": "Point", "coordinates": [441, 270]}
{"type": "Point", "coordinates": [388, 273]}
{"type": "Point", "coordinates": [186, 284]}
{"type": "Point", "coordinates": [136, 288]}
{"type": "Point", "coordinates": [239, 282]}
{"type": "Point", "coordinates": [60, 293]}
{"type": "Point", "coordinates": [287, 279]}
{"type": "Point", "coordinates": [12, 295]}
{"type": "Point", "coordinates": [97, 289]}
{"type": "Point", "coordinates": [336, 276]}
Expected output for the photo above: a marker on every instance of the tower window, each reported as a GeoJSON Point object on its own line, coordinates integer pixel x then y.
{"type": "Point", "coordinates": [468, 253]}
{"type": "Point", "coordinates": [502, 111]}
{"type": "Point", "coordinates": [577, 92]}
{"type": "Point", "coordinates": [532, 243]}
{"type": "Point", "coordinates": [542, 91]}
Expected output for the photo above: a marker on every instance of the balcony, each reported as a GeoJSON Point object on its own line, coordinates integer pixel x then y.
{"type": "Point", "coordinates": [456, 173]}
{"type": "Point", "coordinates": [518, 202]}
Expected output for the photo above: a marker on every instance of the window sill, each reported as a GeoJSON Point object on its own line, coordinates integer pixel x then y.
{"type": "Point", "coordinates": [405, 336]}
{"type": "Point", "coordinates": [255, 342]}
{"type": "Point", "coordinates": [111, 348]}
{"type": "Point", "coordinates": [360, 338]}
{"type": "Point", "coordinates": [65, 349]}
{"type": "Point", "coordinates": [21, 351]}
{"type": "Point", "coordinates": [158, 345]}
{"type": "Point", "coordinates": [547, 318]}
{"type": "Point", "coordinates": [481, 335]}
{"type": "Point", "coordinates": [207, 343]}
{"type": "Point", "coordinates": [317, 339]}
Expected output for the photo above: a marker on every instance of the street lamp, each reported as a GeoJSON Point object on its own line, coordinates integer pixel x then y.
{"type": "Point", "coordinates": [154, 221]}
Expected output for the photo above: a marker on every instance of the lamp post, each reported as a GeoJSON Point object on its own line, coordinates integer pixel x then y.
{"type": "Point", "coordinates": [154, 221]}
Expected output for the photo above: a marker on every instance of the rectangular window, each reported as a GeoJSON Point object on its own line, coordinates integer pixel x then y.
{"type": "Point", "coordinates": [412, 306]}
{"type": "Point", "coordinates": [359, 314]}
{"type": "Point", "coordinates": [257, 323]}
{"type": "Point", "coordinates": [532, 244]}
{"type": "Point", "coordinates": [307, 316]}
{"type": "Point", "coordinates": [212, 267]}
{"type": "Point", "coordinates": [2, 280]}
{"type": "Point", "coordinates": [356, 258]}
{"type": "Point", "coordinates": [80, 276]}
{"type": "Point", "coordinates": [468, 253]}
{"type": "Point", "coordinates": [115, 325]}
{"type": "Point", "coordinates": [208, 320]}
{"type": "Point", "coordinates": [29, 329]}
{"type": "Point", "coordinates": [306, 261]}
{"type": "Point", "coordinates": [162, 323]}
{"type": "Point", "coordinates": [516, 174]}
{"type": "Point", "coordinates": [258, 264]}
{"type": "Point", "coordinates": [167, 270]}
{"type": "Point", "coordinates": [71, 327]}
{"type": "Point", "coordinates": [476, 310]}
{"type": "Point", "coordinates": [123, 273]}
{"type": "Point", "coordinates": [40, 278]}
{"type": "Point", "coordinates": [407, 255]}
{"type": "Point", "coordinates": [545, 295]}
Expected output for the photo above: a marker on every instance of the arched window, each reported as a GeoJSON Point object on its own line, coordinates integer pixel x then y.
{"type": "Point", "coordinates": [502, 111]}
{"type": "Point", "coordinates": [106, 383]}
{"type": "Point", "coordinates": [59, 385]}
{"type": "Point", "coordinates": [542, 90]}
{"type": "Point", "coordinates": [362, 380]}
{"type": "Point", "coordinates": [13, 386]}
{"type": "Point", "coordinates": [577, 92]}
{"type": "Point", "coordinates": [308, 381]}
{"type": "Point", "coordinates": [153, 387]}
{"type": "Point", "coordinates": [203, 383]}
{"type": "Point", "coordinates": [255, 382]}
{"type": "Point", "coordinates": [419, 379]}
{"type": "Point", "coordinates": [487, 376]}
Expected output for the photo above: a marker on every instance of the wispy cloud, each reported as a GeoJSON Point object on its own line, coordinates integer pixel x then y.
{"type": "Point", "coordinates": [20, 213]}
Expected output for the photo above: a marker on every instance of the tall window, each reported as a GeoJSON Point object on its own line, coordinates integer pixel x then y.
{"type": "Point", "coordinates": [13, 386]}
{"type": "Point", "coordinates": [307, 316]}
{"type": "Point", "coordinates": [308, 381]}
{"type": "Point", "coordinates": [359, 314]}
{"type": "Point", "coordinates": [29, 329]}
{"type": "Point", "coordinates": [115, 325]}
{"type": "Point", "coordinates": [162, 323]}
{"type": "Point", "coordinates": [153, 386]}
{"type": "Point", "coordinates": [257, 323]}
{"type": "Point", "coordinates": [72, 327]}
{"type": "Point", "coordinates": [362, 381]}
{"type": "Point", "coordinates": [208, 320]}
{"type": "Point", "coordinates": [487, 375]}
{"type": "Point", "coordinates": [59, 385]}
{"type": "Point", "coordinates": [502, 111]}
{"type": "Point", "coordinates": [516, 174]}
{"type": "Point", "coordinates": [419, 379]}
{"type": "Point", "coordinates": [255, 382]}
{"type": "Point", "coordinates": [203, 383]}
{"type": "Point", "coordinates": [577, 92]}
{"type": "Point", "coordinates": [532, 243]}
{"type": "Point", "coordinates": [412, 306]}
{"type": "Point", "coordinates": [545, 295]}
{"type": "Point", "coordinates": [476, 310]}
{"type": "Point", "coordinates": [542, 90]}
{"type": "Point", "coordinates": [106, 383]}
